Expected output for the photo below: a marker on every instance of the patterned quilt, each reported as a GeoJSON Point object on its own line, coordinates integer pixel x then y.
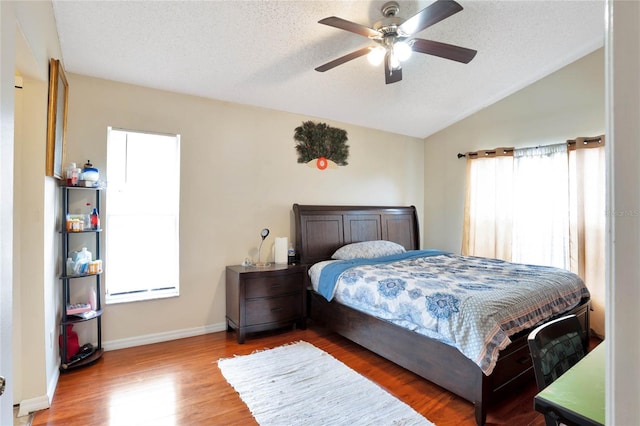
{"type": "Point", "coordinates": [474, 304]}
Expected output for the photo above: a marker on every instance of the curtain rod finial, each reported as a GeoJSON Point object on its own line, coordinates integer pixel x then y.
{"type": "Point", "coordinates": [461, 155]}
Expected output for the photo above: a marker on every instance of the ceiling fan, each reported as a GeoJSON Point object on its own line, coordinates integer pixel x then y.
{"type": "Point", "coordinates": [394, 41]}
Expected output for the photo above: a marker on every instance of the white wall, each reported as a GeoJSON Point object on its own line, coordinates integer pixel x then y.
{"type": "Point", "coordinates": [623, 273]}
{"type": "Point", "coordinates": [17, 275]}
{"type": "Point", "coordinates": [7, 60]}
{"type": "Point", "coordinates": [239, 175]}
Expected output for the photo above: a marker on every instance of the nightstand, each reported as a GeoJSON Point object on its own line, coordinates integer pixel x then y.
{"type": "Point", "coordinates": [265, 298]}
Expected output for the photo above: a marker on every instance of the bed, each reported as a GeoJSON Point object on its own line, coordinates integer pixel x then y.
{"type": "Point", "coordinates": [321, 230]}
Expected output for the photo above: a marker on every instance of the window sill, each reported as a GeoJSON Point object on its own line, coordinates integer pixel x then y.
{"type": "Point", "coordinates": [141, 296]}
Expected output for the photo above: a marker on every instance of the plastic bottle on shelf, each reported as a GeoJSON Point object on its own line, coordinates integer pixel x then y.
{"type": "Point", "coordinates": [95, 219]}
{"type": "Point", "coordinates": [92, 300]}
{"type": "Point", "coordinates": [70, 266]}
{"type": "Point", "coordinates": [83, 260]}
{"type": "Point", "coordinates": [87, 216]}
{"type": "Point", "coordinates": [68, 174]}
{"type": "Point", "coordinates": [73, 176]}
{"type": "Point", "coordinates": [85, 254]}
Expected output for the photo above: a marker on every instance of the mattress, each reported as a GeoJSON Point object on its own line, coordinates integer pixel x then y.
{"type": "Point", "coordinates": [474, 304]}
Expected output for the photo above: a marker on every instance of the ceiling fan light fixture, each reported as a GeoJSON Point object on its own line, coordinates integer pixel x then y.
{"type": "Point", "coordinates": [402, 50]}
{"type": "Point", "coordinates": [394, 62]}
{"type": "Point", "coordinates": [376, 55]}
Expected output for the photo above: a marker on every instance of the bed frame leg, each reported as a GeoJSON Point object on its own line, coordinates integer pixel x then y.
{"type": "Point", "coordinates": [482, 399]}
{"type": "Point", "coordinates": [481, 413]}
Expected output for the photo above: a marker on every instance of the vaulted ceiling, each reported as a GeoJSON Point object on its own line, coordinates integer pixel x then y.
{"type": "Point", "coordinates": [263, 53]}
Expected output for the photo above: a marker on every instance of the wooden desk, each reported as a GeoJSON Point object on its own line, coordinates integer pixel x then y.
{"type": "Point", "coordinates": [578, 395]}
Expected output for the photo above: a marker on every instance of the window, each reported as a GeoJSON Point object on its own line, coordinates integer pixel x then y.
{"type": "Point", "coordinates": [142, 216]}
{"type": "Point", "coordinates": [542, 205]}
{"type": "Point", "coordinates": [534, 205]}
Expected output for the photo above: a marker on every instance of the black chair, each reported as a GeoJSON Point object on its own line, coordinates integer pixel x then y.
{"type": "Point", "coordinates": [555, 347]}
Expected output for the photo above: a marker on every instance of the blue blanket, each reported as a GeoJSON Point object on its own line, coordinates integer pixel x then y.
{"type": "Point", "coordinates": [471, 303]}
{"type": "Point", "coordinates": [331, 272]}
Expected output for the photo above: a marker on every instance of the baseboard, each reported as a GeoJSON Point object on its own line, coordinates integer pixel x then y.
{"type": "Point", "coordinates": [43, 402]}
{"type": "Point", "coordinates": [162, 337]}
{"type": "Point", "coordinates": [53, 383]}
{"type": "Point", "coordinates": [33, 404]}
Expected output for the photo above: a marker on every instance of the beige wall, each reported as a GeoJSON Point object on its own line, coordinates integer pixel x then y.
{"type": "Point", "coordinates": [239, 175]}
{"type": "Point", "coordinates": [34, 280]}
{"type": "Point", "coordinates": [564, 105]}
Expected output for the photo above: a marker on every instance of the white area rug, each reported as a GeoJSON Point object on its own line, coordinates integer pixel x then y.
{"type": "Point", "coordinates": [299, 384]}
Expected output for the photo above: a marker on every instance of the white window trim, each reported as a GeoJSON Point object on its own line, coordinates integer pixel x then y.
{"type": "Point", "coordinates": [149, 294]}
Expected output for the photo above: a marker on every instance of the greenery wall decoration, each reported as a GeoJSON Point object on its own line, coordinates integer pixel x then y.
{"type": "Point", "coordinates": [320, 145]}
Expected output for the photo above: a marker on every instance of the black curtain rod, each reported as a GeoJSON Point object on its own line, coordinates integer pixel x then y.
{"type": "Point", "coordinates": [569, 142]}
{"type": "Point", "coordinates": [486, 152]}
{"type": "Point", "coordinates": [585, 141]}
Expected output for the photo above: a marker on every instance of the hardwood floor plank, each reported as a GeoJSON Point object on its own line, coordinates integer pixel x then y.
{"type": "Point", "coordinates": [179, 383]}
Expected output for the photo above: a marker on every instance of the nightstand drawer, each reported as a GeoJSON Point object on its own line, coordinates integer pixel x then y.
{"type": "Point", "coordinates": [273, 309]}
{"type": "Point", "coordinates": [268, 286]}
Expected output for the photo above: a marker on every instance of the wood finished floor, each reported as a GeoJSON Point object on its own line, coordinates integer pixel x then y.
{"type": "Point", "coordinates": [179, 383]}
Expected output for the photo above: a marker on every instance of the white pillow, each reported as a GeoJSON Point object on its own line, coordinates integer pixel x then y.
{"type": "Point", "coordinates": [367, 250]}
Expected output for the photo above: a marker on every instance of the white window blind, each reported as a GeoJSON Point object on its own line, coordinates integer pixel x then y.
{"type": "Point", "coordinates": [142, 216]}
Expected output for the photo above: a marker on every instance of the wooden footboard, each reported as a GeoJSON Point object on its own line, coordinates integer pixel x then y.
{"type": "Point", "coordinates": [437, 362]}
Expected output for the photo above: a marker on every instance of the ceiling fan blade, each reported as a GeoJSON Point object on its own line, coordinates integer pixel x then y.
{"type": "Point", "coordinates": [430, 15]}
{"type": "Point", "coordinates": [346, 58]}
{"type": "Point", "coordinates": [343, 24]}
{"type": "Point", "coordinates": [391, 75]}
{"type": "Point", "coordinates": [443, 50]}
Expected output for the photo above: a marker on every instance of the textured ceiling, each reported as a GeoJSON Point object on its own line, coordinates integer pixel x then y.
{"type": "Point", "coordinates": [263, 53]}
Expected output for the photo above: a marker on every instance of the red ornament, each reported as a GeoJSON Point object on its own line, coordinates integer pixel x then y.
{"type": "Point", "coordinates": [322, 163]}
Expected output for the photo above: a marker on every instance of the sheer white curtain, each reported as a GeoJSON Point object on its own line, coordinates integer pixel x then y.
{"type": "Point", "coordinates": [541, 206]}
{"type": "Point", "coordinates": [488, 208]}
{"type": "Point", "coordinates": [587, 231]}
{"type": "Point", "coordinates": [544, 205]}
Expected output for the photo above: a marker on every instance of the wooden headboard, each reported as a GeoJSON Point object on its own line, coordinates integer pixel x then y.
{"type": "Point", "coordinates": [321, 230]}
